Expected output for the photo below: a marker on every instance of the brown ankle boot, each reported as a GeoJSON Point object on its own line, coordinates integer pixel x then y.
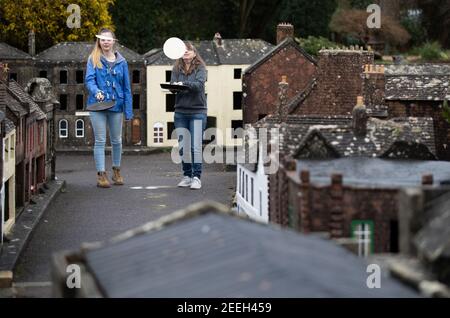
{"type": "Point", "coordinates": [117, 178]}
{"type": "Point", "coordinates": [102, 180]}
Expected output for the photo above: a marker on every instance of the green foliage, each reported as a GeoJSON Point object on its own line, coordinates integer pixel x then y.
{"type": "Point", "coordinates": [48, 19]}
{"type": "Point", "coordinates": [431, 52]}
{"type": "Point", "coordinates": [308, 17]}
{"type": "Point", "coordinates": [414, 26]}
{"type": "Point", "coordinates": [313, 45]}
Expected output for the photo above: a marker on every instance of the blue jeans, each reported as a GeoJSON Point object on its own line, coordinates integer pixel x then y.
{"type": "Point", "coordinates": [99, 122]}
{"type": "Point", "coordinates": [190, 128]}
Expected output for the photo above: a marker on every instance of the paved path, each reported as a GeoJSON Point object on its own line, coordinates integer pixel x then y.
{"type": "Point", "coordinates": [87, 214]}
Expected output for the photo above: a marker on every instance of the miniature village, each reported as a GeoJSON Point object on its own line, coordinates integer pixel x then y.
{"type": "Point", "coordinates": [362, 151]}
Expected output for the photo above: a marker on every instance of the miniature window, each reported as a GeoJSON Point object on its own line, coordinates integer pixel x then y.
{"type": "Point", "coordinates": [63, 102]}
{"type": "Point", "coordinates": [63, 77]}
{"type": "Point", "coordinates": [41, 134]}
{"type": "Point", "coordinates": [79, 77]}
{"type": "Point", "coordinates": [12, 146]}
{"type": "Point", "coordinates": [237, 73]}
{"type": "Point", "coordinates": [168, 76]}
{"type": "Point", "coordinates": [136, 77]}
{"type": "Point", "coordinates": [79, 102]}
{"type": "Point", "coordinates": [363, 232]}
{"type": "Point", "coordinates": [136, 101]}
{"type": "Point", "coordinates": [251, 192]}
{"type": "Point", "coordinates": [237, 129]}
{"type": "Point", "coordinates": [79, 128]}
{"type": "Point", "coordinates": [13, 76]}
{"type": "Point", "coordinates": [6, 156]}
{"type": "Point", "coordinates": [170, 129]}
{"type": "Point", "coordinates": [63, 128]}
{"type": "Point", "coordinates": [158, 133]}
{"type": "Point", "coordinates": [170, 103]}
{"type": "Point", "coordinates": [43, 74]}
{"type": "Point", "coordinates": [237, 100]}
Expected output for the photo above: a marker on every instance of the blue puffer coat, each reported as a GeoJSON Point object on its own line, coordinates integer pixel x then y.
{"type": "Point", "coordinates": [114, 83]}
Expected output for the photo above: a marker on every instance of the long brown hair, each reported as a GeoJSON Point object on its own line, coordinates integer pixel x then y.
{"type": "Point", "coordinates": [97, 51]}
{"type": "Point", "coordinates": [197, 61]}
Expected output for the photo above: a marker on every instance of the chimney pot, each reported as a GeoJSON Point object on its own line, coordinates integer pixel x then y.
{"type": "Point", "coordinates": [218, 39]}
{"type": "Point", "coordinates": [427, 179]}
{"type": "Point", "coordinates": [359, 117]}
{"type": "Point", "coordinates": [284, 31]}
{"type": "Point", "coordinates": [304, 176]}
{"type": "Point", "coordinates": [31, 43]}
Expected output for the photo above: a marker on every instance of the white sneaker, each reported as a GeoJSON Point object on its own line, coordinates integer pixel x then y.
{"type": "Point", "coordinates": [196, 184]}
{"type": "Point", "coordinates": [185, 183]}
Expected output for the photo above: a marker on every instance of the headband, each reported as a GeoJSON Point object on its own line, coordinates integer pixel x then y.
{"type": "Point", "coordinates": [102, 37]}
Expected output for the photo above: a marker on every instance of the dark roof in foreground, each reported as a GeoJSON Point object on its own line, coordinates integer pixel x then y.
{"type": "Point", "coordinates": [76, 52]}
{"type": "Point", "coordinates": [8, 52]}
{"type": "Point", "coordinates": [433, 240]}
{"type": "Point", "coordinates": [428, 82]}
{"type": "Point", "coordinates": [206, 252]}
{"type": "Point", "coordinates": [232, 52]}
{"type": "Point", "coordinates": [375, 172]}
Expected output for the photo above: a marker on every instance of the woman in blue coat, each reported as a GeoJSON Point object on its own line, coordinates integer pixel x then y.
{"type": "Point", "coordinates": [107, 79]}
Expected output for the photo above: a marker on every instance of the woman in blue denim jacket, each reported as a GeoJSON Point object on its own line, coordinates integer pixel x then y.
{"type": "Point", "coordinates": [190, 114]}
{"type": "Point", "coordinates": [107, 79]}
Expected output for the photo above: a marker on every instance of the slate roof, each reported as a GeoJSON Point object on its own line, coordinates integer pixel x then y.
{"type": "Point", "coordinates": [433, 240]}
{"type": "Point", "coordinates": [428, 82]}
{"type": "Point", "coordinates": [206, 252]}
{"type": "Point", "coordinates": [291, 132]}
{"type": "Point", "coordinates": [381, 137]}
{"type": "Point", "coordinates": [8, 52]}
{"type": "Point", "coordinates": [375, 172]}
{"type": "Point", "coordinates": [23, 97]}
{"type": "Point", "coordinates": [284, 44]}
{"type": "Point", "coordinates": [77, 52]}
{"type": "Point", "coordinates": [232, 52]}
{"type": "Point", "coordinates": [13, 104]}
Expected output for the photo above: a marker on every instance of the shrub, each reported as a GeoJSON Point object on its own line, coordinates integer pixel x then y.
{"type": "Point", "coordinates": [312, 45]}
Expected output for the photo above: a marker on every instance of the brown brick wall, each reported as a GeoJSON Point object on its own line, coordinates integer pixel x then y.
{"type": "Point", "coordinates": [333, 208]}
{"type": "Point", "coordinates": [260, 87]}
{"type": "Point", "coordinates": [339, 81]}
{"type": "Point", "coordinates": [431, 109]}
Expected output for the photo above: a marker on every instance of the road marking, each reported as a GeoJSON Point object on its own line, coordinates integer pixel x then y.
{"type": "Point", "coordinates": [151, 188]}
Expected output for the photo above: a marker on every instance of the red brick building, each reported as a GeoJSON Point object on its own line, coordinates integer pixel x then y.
{"type": "Point", "coordinates": [356, 198]}
{"type": "Point", "coordinates": [260, 81]}
{"type": "Point", "coordinates": [419, 91]}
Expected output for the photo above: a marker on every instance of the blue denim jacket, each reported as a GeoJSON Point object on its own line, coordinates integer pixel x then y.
{"type": "Point", "coordinates": [114, 84]}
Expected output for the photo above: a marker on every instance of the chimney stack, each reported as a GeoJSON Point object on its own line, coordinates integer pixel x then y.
{"type": "Point", "coordinates": [360, 117]}
{"type": "Point", "coordinates": [31, 43]}
{"type": "Point", "coordinates": [282, 99]}
{"type": "Point", "coordinates": [4, 73]}
{"type": "Point", "coordinates": [218, 39]}
{"type": "Point", "coordinates": [284, 31]}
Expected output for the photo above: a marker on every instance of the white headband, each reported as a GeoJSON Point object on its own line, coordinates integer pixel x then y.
{"type": "Point", "coordinates": [102, 37]}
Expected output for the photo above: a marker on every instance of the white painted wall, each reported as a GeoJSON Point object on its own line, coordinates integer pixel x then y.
{"type": "Point", "coordinates": [219, 89]}
{"type": "Point", "coordinates": [9, 173]}
{"type": "Point", "coordinates": [260, 209]}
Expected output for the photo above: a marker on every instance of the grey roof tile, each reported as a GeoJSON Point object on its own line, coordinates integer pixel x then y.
{"type": "Point", "coordinates": [217, 255]}
{"type": "Point", "coordinates": [8, 52]}
{"type": "Point", "coordinates": [78, 52]}
{"type": "Point", "coordinates": [232, 52]}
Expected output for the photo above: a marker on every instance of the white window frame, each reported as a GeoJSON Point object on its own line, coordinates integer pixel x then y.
{"type": "Point", "coordinates": [363, 236]}
{"type": "Point", "coordinates": [158, 133]}
{"type": "Point", "coordinates": [77, 130]}
{"type": "Point", "coordinates": [60, 129]}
